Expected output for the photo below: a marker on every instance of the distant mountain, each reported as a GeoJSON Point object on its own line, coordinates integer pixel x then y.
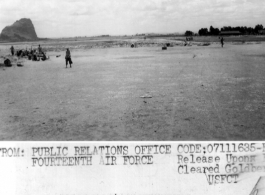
{"type": "Point", "coordinates": [21, 30]}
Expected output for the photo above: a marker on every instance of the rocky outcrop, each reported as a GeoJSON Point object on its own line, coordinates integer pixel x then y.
{"type": "Point", "coordinates": [21, 30]}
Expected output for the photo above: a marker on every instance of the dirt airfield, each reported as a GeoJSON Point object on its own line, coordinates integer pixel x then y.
{"type": "Point", "coordinates": [144, 93]}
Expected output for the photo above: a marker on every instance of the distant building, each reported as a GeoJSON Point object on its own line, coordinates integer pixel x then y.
{"type": "Point", "coordinates": [228, 33]}
{"type": "Point", "coordinates": [262, 32]}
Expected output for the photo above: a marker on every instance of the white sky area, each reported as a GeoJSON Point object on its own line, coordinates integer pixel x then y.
{"type": "Point", "coordinates": [68, 18]}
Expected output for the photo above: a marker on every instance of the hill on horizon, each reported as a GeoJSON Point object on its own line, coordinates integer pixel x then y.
{"type": "Point", "coordinates": [21, 30]}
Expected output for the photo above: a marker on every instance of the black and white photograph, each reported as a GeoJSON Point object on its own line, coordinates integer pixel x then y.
{"type": "Point", "coordinates": [143, 97]}
{"type": "Point", "coordinates": [120, 70]}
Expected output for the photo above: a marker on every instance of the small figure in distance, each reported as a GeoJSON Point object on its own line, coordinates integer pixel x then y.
{"type": "Point", "coordinates": [44, 57]}
{"type": "Point", "coordinates": [12, 50]}
{"type": "Point", "coordinates": [68, 58]}
{"type": "Point", "coordinates": [40, 50]}
{"type": "Point", "coordinates": [222, 41]}
{"type": "Point", "coordinates": [35, 57]}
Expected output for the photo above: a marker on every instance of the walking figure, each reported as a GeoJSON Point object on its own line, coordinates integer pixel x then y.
{"type": "Point", "coordinates": [12, 50]}
{"type": "Point", "coordinates": [222, 41]}
{"type": "Point", "coordinates": [68, 58]}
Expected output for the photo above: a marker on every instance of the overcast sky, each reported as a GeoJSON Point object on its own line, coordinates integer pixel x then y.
{"type": "Point", "coordinates": [64, 18]}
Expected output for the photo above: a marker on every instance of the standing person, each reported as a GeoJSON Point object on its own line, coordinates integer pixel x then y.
{"type": "Point", "coordinates": [68, 58]}
{"type": "Point", "coordinates": [12, 50]}
{"type": "Point", "coordinates": [222, 41]}
{"type": "Point", "coordinates": [39, 48]}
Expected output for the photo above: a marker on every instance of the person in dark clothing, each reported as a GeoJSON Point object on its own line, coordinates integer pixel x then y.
{"type": "Point", "coordinates": [7, 62]}
{"type": "Point", "coordinates": [19, 53]}
{"type": "Point", "coordinates": [12, 50]}
{"type": "Point", "coordinates": [68, 58]}
{"type": "Point", "coordinates": [30, 54]}
{"type": "Point", "coordinates": [44, 57]}
{"type": "Point", "coordinates": [39, 49]}
{"type": "Point", "coordinates": [222, 41]}
{"type": "Point", "coordinates": [35, 57]}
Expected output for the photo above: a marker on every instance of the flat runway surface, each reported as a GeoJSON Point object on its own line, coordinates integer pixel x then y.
{"type": "Point", "coordinates": [183, 93]}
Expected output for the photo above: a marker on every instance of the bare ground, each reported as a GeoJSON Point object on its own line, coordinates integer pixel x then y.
{"type": "Point", "coordinates": [192, 93]}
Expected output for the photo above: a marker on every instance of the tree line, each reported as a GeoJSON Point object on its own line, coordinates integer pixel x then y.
{"type": "Point", "coordinates": [216, 31]}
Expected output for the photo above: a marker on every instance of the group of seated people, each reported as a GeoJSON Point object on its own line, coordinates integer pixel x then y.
{"type": "Point", "coordinates": [33, 54]}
